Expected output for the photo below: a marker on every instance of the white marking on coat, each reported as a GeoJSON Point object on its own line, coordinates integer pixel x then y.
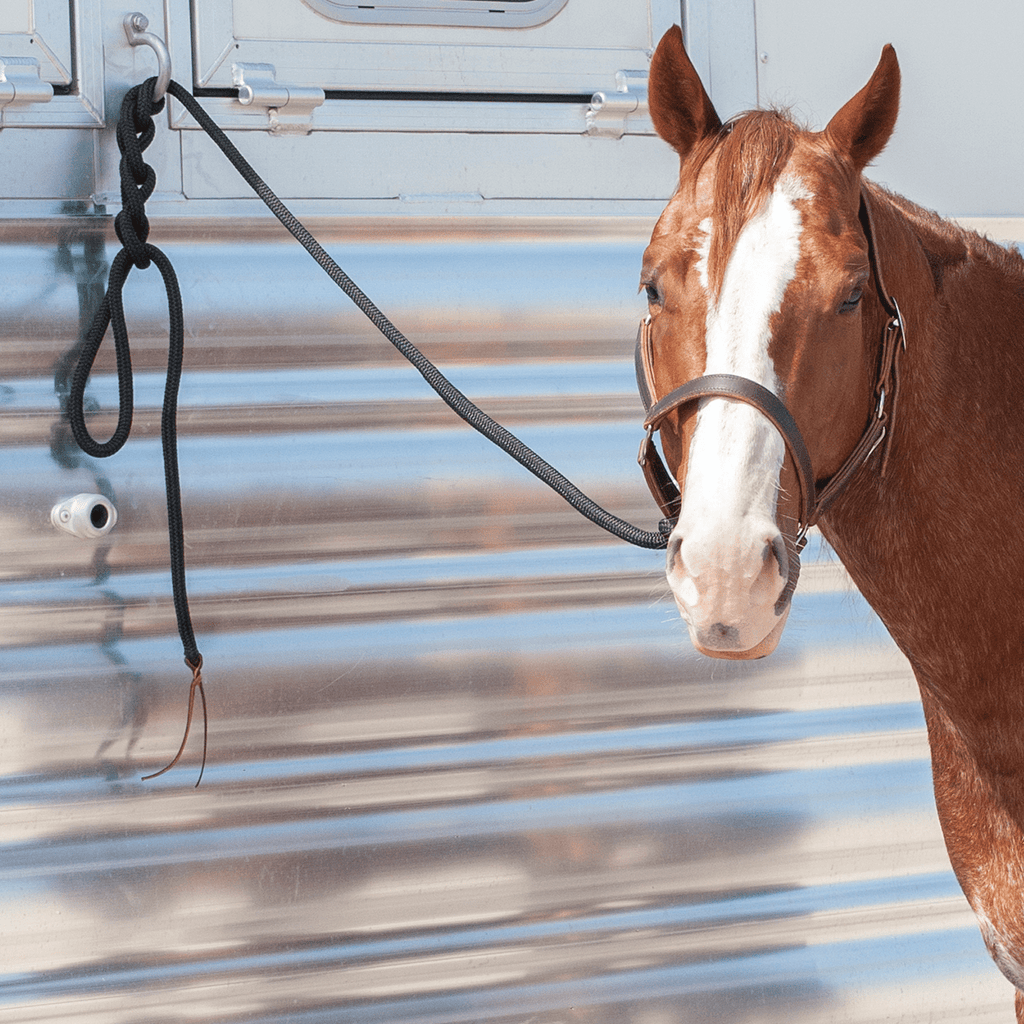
{"type": "Point", "coordinates": [736, 455]}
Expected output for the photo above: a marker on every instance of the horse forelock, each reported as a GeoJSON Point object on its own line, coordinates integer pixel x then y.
{"type": "Point", "coordinates": [750, 153]}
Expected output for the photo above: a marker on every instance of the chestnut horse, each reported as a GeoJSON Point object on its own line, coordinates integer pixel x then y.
{"type": "Point", "coordinates": [817, 346]}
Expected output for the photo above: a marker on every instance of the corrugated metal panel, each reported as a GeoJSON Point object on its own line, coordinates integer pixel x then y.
{"type": "Point", "coordinates": [463, 763]}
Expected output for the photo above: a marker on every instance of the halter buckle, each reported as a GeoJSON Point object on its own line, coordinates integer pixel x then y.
{"type": "Point", "coordinates": [645, 446]}
{"type": "Point", "coordinates": [896, 322]}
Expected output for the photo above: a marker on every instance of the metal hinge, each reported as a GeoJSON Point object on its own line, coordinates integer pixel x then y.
{"type": "Point", "coordinates": [289, 107]}
{"type": "Point", "coordinates": [20, 84]}
{"type": "Point", "coordinates": [608, 111]}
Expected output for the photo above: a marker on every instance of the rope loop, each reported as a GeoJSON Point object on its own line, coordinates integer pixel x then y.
{"type": "Point", "coordinates": [110, 312]}
{"type": "Point", "coordinates": [135, 131]}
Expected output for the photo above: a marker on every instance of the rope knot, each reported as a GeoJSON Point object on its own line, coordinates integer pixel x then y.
{"type": "Point", "coordinates": [135, 131]}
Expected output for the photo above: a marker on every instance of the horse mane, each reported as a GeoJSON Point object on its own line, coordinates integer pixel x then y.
{"type": "Point", "coordinates": [751, 151]}
{"type": "Point", "coordinates": [947, 245]}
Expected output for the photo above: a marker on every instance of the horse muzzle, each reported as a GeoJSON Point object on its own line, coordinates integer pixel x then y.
{"type": "Point", "coordinates": [734, 599]}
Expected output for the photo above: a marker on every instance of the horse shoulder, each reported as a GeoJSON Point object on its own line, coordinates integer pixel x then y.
{"type": "Point", "coordinates": [984, 838]}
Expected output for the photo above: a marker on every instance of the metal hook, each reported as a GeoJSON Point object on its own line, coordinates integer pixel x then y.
{"type": "Point", "coordinates": [135, 26]}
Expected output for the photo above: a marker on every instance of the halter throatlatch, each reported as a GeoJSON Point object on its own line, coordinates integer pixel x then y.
{"type": "Point", "coordinates": [815, 499]}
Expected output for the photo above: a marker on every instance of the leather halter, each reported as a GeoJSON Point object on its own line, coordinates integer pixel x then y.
{"type": "Point", "coordinates": [815, 499]}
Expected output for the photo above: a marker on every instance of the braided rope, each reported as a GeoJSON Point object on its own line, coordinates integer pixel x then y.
{"type": "Point", "coordinates": [135, 131]}
{"type": "Point", "coordinates": [445, 390]}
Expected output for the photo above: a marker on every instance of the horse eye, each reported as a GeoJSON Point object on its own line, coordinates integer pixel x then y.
{"type": "Point", "coordinates": [653, 295]}
{"type": "Point", "coordinates": [850, 304]}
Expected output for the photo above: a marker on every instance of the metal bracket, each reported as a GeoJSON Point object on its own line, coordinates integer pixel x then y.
{"type": "Point", "coordinates": [20, 84]}
{"type": "Point", "coordinates": [135, 26]}
{"type": "Point", "coordinates": [289, 107]}
{"type": "Point", "coordinates": [606, 117]}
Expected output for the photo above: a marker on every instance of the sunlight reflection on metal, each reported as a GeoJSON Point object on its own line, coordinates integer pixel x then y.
{"type": "Point", "coordinates": [462, 764]}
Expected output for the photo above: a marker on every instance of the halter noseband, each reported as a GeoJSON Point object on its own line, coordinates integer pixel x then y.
{"type": "Point", "coordinates": [814, 500]}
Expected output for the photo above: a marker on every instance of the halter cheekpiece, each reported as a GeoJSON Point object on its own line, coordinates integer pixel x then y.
{"type": "Point", "coordinates": [814, 499]}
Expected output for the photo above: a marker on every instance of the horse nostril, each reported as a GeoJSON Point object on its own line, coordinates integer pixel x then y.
{"type": "Point", "coordinates": [683, 585]}
{"type": "Point", "coordinates": [777, 546]}
{"type": "Point", "coordinates": [673, 554]}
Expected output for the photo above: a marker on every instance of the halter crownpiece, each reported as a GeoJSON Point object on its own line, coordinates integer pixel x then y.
{"type": "Point", "coordinates": [814, 500]}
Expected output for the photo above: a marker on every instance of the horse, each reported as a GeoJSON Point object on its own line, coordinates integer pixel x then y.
{"type": "Point", "coordinates": [819, 350]}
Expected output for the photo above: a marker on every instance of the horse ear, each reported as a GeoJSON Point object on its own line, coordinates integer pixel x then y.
{"type": "Point", "coordinates": [862, 128]}
{"type": "Point", "coordinates": [681, 110]}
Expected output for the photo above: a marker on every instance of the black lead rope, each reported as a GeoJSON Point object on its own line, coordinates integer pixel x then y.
{"type": "Point", "coordinates": [135, 131]}
{"type": "Point", "coordinates": [443, 387]}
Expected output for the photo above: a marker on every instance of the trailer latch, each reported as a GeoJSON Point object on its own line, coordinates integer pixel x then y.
{"type": "Point", "coordinates": [289, 107]}
{"type": "Point", "coordinates": [608, 111]}
{"type": "Point", "coordinates": [20, 84]}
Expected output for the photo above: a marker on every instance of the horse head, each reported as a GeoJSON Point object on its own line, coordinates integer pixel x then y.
{"type": "Point", "coordinates": [760, 268]}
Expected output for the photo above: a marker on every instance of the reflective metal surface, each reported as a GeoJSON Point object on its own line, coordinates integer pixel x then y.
{"type": "Point", "coordinates": [463, 763]}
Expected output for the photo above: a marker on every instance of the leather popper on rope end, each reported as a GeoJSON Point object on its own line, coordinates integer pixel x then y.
{"type": "Point", "coordinates": [197, 684]}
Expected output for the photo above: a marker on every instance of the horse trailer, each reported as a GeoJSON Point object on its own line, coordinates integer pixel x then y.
{"type": "Point", "coordinates": [462, 763]}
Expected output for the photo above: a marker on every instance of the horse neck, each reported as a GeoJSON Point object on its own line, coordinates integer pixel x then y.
{"type": "Point", "coordinates": [932, 544]}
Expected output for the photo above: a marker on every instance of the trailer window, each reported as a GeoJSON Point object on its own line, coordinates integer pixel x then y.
{"type": "Point", "coordinates": [41, 31]}
{"type": "Point", "coordinates": [67, 45]}
{"type": "Point", "coordinates": [410, 56]}
{"type": "Point", "coordinates": [484, 13]}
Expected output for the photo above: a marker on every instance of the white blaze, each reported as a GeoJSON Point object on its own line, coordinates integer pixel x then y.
{"type": "Point", "coordinates": [731, 486]}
